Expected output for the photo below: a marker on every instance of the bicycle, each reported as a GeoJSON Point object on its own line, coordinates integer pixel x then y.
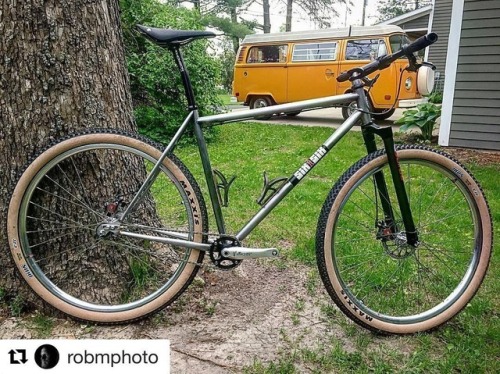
{"type": "Point", "coordinates": [403, 239]}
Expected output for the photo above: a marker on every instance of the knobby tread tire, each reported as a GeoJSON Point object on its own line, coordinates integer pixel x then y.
{"type": "Point", "coordinates": [17, 196]}
{"type": "Point", "coordinates": [322, 232]}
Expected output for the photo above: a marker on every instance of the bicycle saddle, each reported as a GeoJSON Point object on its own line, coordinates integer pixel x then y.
{"type": "Point", "coordinates": [169, 37]}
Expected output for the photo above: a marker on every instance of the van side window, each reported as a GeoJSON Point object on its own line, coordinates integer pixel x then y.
{"type": "Point", "coordinates": [267, 53]}
{"type": "Point", "coordinates": [315, 52]}
{"type": "Point", "coordinates": [365, 49]}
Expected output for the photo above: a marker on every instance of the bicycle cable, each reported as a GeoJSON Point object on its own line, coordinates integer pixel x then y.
{"type": "Point", "coordinates": [395, 101]}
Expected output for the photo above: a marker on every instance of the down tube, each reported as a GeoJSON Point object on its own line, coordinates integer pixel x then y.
{"type": "Point", "coordinates": [299, 175]}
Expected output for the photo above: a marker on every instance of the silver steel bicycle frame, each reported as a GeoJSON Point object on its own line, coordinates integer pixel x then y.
{"type": "Point", "coordinates": [309, 164]}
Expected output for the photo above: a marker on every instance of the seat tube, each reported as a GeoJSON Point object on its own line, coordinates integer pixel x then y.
{"type": "Point", "coordinates": [209, 176]}
{"type": "Point", "coordinates": [202, 145]}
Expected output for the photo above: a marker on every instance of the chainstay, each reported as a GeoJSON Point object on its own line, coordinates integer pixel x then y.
{"type": "Point", "coordinates": [202, 265]}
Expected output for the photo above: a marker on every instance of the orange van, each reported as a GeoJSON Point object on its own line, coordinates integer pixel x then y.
{"type": "Point", "coordinates": [286, 67]}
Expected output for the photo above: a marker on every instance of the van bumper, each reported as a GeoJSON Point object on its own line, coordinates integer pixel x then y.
{"type": "Point", "coordinates": [411, 102]}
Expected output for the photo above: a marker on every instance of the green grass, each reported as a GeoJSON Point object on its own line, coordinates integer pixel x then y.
{"type": "Point", "coordinates": [247, 151]}
{"type": "Point", "coordinates": [42, 325]}
{"type": "Point", "coordinates": [467, 344]}
{"type": "Point", "coordinates": [225, 99]}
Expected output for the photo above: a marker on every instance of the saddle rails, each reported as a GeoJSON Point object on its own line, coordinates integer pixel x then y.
{"type": "Point", "coordinates": [280, 68]}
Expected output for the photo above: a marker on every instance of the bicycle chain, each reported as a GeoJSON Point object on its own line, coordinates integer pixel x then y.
{"type": "Point", "coordinates": [202, 265]}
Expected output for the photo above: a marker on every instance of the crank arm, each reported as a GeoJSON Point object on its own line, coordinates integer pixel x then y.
{"type": "Point", "coordinates": [241, 253]}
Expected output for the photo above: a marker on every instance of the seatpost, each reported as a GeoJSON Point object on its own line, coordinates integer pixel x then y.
{"type": "Point", "coordinates": [179, 60]}
{"type": "Point", "coordinates": [202, 145]}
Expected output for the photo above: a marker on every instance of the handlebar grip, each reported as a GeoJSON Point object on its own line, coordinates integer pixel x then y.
{"type": "Point", "coordinates": [420, 43]}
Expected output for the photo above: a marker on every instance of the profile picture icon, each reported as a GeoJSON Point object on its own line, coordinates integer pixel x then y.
{"type": "Point", "coordinates": [46, 356]}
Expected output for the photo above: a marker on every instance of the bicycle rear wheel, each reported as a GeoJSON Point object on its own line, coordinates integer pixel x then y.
{"type": "Point", "coordinates": [59, 205]}
{"type": "Point", "coordinates": [378, 280]}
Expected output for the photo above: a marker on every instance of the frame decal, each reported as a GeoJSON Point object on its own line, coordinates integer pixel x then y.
{"type": "Point", "coordinates": [309, 164]}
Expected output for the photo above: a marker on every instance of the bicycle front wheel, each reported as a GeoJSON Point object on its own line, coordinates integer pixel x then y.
{"type": "Point", "coordinates": [62, 238]}
{"type": "Point", "coordinates": [372, 274]}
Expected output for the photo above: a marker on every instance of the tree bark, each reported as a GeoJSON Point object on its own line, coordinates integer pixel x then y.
{"type": "Point", "coordinates": [289, 10]}
{"type": "Point", "coordinates": [62, 68]}
{"type": "Point", "coordinates": [234, 19]}
{"type": "Point", "coordinates": [267, 16]}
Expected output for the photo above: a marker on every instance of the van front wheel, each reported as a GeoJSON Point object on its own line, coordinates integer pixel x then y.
{"type": "Point", "coordinates": [349, 109]}
{"type": "Point", "coordinates": [383, 114]}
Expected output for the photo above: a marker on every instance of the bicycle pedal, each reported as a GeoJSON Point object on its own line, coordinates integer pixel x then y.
{"type": "Point", "coordinates": [241, 253]}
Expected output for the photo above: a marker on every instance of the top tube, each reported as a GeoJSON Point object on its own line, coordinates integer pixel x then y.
{"type": "Point", "coordinates": [274, 109]}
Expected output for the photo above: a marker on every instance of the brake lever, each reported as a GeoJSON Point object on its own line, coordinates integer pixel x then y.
{"type": "Point", "coordinates": [428, 64]}
{"type": "Point", "coordinates": [370, 82]}
{"type": "Point", "coordinates": [413, 64]}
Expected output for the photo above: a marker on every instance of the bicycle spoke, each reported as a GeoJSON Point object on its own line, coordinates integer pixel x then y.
{"type": "Point", "coordinates": [38, 231]}
{"type": "Point", "coordinates": [77, 204]}
{"type": "Point", "coordinates": [56, 214]}
{"type": "Point", "coordinates": [382, 273]}
{"type": "Point", "coordinates": [67, 251]}
{"type": "Point", "coordinates": [434, 253]}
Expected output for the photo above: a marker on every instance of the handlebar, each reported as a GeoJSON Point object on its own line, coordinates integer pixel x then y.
{"type": "Point", "coordinates": [384, 61]}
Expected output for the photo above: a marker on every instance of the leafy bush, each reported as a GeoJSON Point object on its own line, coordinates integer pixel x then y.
{"type": "Point", "coordinates": [157, 91]}
{"type": "Point", "coordinates": [424, 118]}
{"type": "Point", "coordinates": [435, 98]}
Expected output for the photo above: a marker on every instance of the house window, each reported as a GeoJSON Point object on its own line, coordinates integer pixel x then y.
{"type": "Point", "coordinates": [267, 54]}
{"type": "Point", "coordinates": [365, 49]}
{"type": "Point", "coordinates": [315, 52]}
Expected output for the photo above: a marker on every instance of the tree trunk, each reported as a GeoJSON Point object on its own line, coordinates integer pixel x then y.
{"type": "Point", "coordinates": [363, 16]}
{"type": "Point", "coordinates": [289, 10]}
{"type": "Point", "coordinates": [234, 19]}
{"type": "Point", "coordinates": [267, 17]}
{"type": "Point", "coordinates": [62, 68]}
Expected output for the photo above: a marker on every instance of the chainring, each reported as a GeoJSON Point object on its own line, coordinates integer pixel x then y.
{"type": "Point", "coordinates": [218, 259]}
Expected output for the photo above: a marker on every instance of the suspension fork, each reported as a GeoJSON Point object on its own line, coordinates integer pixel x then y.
{"type": "Point", "coordinates": [369, 132]}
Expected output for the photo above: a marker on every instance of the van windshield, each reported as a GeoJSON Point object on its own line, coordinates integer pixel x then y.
{"type": "Point", "coordinates": [365, 49]}
{"type": "Point", "coordinates": [398, 41]}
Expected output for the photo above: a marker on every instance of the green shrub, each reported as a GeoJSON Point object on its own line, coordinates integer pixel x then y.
{"type": "Point", "coordinates": [435, 98]}
{"type": "Point", "coordinates": [424, 118]}
{"type": "Point", "coordinates": [157, 91]}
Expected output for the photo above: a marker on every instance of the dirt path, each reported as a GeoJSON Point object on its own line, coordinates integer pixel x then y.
{"type": "Point", "coordinates": [225, 321]}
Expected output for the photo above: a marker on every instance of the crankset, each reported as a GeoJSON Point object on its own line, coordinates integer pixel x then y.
{"type": "Point", "coordinates": [217, 249]}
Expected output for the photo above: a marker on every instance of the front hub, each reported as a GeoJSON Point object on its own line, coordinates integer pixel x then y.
{"type": "Point", "coordinates": [398, 248]}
